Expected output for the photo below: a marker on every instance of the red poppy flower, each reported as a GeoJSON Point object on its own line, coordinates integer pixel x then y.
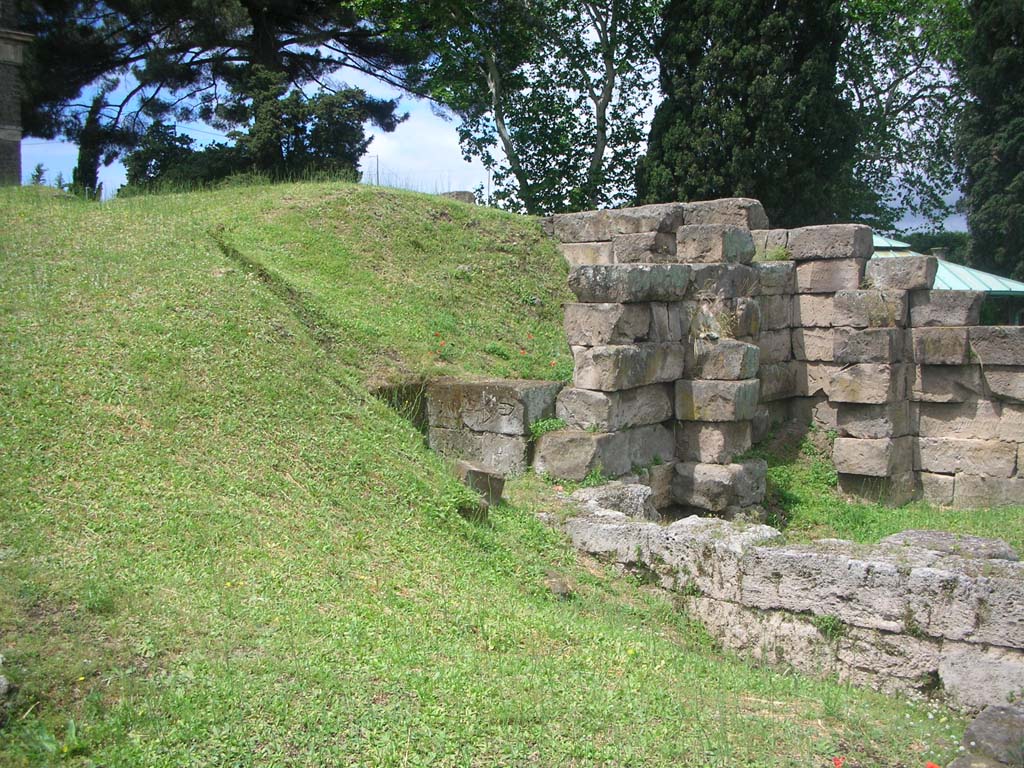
{"type": "Point", "coordinates": [838, 761]}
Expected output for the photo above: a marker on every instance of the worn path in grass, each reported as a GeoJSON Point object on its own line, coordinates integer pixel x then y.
{"type": "Point", "coordinates": [216, 548]}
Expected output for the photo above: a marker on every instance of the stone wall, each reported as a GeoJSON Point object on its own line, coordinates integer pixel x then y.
{"type": "Point", "coordinates": [11, 46]}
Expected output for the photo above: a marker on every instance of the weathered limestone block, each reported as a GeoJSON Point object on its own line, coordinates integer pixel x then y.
{"type": "Point", "coordinates": [644, 248]}
{"type": "Point", "coordinates": [775, 346]}
{"type": "Point", "coordinates": [887, 662]}
{"type": "Point", "coordinates": [504, 454]}
{"type": "Point", "coordinates": [949, 455]}
{"type": "Point", "coordinates": [487, 483]}
{"type": "Point", "coordinates": [627, 366]}
{"type": "Point", "coordinates": [977, 419]}
{"type": "Point", "coordinates": [974, 491]}
{"type": "Point", "coordinates": [998, 733]}
{"type": "Point", "coordinates": [829, 276]}
{"type": "Point", "coordinates": [591, 325]}
{"type": "Point", "coordinates": [891, 491]}
{"type": "Point", "coordinates": [1011, 423]}
{"type": "Point", "coordinates": [998, 345]}
{"type": "Point", "coordinates": [904, 273]}
{"type": "Point", "coordinates": [612, 411]}
{"type": "Point", "coordinates": [945, 383]}
{"type": "Point", "coordinates": [660, 217]}
{"type": "Point", "coordinates": [629, 283]}
{"type": "Point", "coordinates": [715, 487]}
{"type": "Point", "coordinates": [973, 677]}
{"type": "Point", "coordinates": [735, 211]}
{"type": "Point", "coordinates": [712, 442]}
{"type": "Point", "coordinates": [871, 421]}
{"type": "Point", "coordinates": [724, 281]}
{"type": "Point", "coordinates": [713, 243]}
{"type": "Point", "coordinates": [870, 308]}
{"type": "Point", "coordinates": [658, 477]}
{"type": "Point", "coordinates": [945, 307]}
{"type": "Point", "coordinates": [775, 278]}
{"type": "Point", "coordinates": [716, 400]}
{"type": "Point", "coordinates": [587, 253]}
{"type": "Point", "coordinates": [585, 227]}
{"type": "Point", "coordinates": [831, 241]}
{"type": "Point", "coordinates": [573, 454]}
{"type": "Point", "coordinates": [816, 378]}
{"type": "Point", "coordinates": [879, 457]}
{"type": "Point", "coordinates": [868, 383]}
{"type": "Point", "coordinates": [960, 544]}
{"type": "Point", "coordinates": [867, 345]}
{"type": "Point", "coordinates": [936, 489]}
{"type": "Point", "coordinates": [612, 535]}
{"type": "Point", "coordinates": [651, 444]}
{"type": "Point", "coordinates": [778, 380]}
{"type": "Point", "coordinates": [671, 321]}
{"type": "Point", "coordinates": [725, 359]}
{"type": "Point", "coordinates": [507, 407]}
{"type": "Point", "coordinates": [747, 313]}
{"type": "Point", "coordinates": [1005, 383]}
{"type": "Point", "coordinates": [634, 500]}
{"type": "Point", "coordinates": [813, 344]}
{"type": "Point", "coordinates": [776, 312]}
{"type": "Point", "coordinates": [810, 311]}
{"type": "Point", "coordinates": [939, 346]}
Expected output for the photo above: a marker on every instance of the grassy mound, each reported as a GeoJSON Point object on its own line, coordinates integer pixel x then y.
{"type": "Point", "coordinates": [217, 548]}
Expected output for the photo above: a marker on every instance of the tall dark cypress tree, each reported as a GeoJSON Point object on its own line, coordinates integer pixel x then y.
{"type": "Point", "coordinates": [992, 136]}
{"type": "Point", "coordinates": [752, 108]}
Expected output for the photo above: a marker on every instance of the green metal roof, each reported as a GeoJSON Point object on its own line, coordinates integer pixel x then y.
{"type": "Point", "coordinates": [888, 243]}
{"type": "Point", "coordinates": [953, 277]}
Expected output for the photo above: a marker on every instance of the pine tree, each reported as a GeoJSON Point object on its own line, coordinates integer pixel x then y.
{"type": "Point", "coordinates": [753, 108]}
{"type": "Point", "coordinates": [992, 136]}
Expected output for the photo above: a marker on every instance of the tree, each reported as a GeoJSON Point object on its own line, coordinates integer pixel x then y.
{"type": "Point", "coordinates": [753, 108]}
{"type": "Point", "coordinates": [991, 136]}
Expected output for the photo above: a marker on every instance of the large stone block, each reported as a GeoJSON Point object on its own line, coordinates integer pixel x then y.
{"type": "Point", "coordinates": [871, 421]}
{"type": "Point", "coordinates": [507, 407]}
{"type": "Point", "coordinates": [487, 483]}
{"type": "Point", "coordinates": [660, 217]}
{"type": "Point", "coordinates": [713, 243]}
{"type": "Point", "coordinates": [868, 383]}
{"type": "Point", "coordinates": [644, 248]}
{"type": "Point", "coordinates": [939, 346]}
{"type": "Point", "coordinates": [712, 442]}
{"type": "Point", "coordinates": [959, 544]}
{"type": "Point", "coordinates": [831, 241]}
{"type": "Point", "coordinates": [813, 344]}
{"type": "Point", "coordinates": [722, 281]}
{"type": "Point", "coordinates": [936, 489]}
{"type": "Point", "coordinates": [879, 457]}
{"type": "Point", "coordinates": [650, 445]}
{"type": "Point", "coordinates": [976, 491]}
{"type": "Point", "coordinates": [867, 345]}
{"type": "Point", "coordinates": [592, 325]}
{"type": "Point", "coordinates": [726, 359]}
{"type": "Point", "coordinates": [776, 312]}
{"type": "Point", "coordinates": [775, 346]}
{"type": "Point", "coordinates": [1011, 423]}
{"type": "Point", "coordinates": [778, 380]}
{"type": "Point", "coordinates": [716, 400]}
{"type": "Point", "coordinates": [945, 307]}
{"type": "Point", "coordinates": [974, 419]}
{"type": "Point", "coordinates": [504, 454]}
{"type": "Point", "coordinates": [997, 345]}
{"type": "Point", "coordinates": [747, 314]}
{"type": "Point", "coordinates": [775, 278]}
{"type": "Point", "coordinates": [998, 732]}
{"type": "Point", "coordinates": [627, 366]}
{"type": "Point", "coordinates": [1005, 383]}
{"type": "Point", "coordinates": [716, 487]}
{"type": "Point", "coordinates": [903, 273]}
{"type": "Point", "coordinates": [658, 477]}
{"type": "Point", "coordinates": [771, 242]}
{"type": "Point", "coordinates": [671, 321]}
{"type": "Point", "coordinates": [892, 490]}
{"type": "Point", "coordinates": [870, 308]}
{"type": "Point", "coordinates": [829, 276]}
{"type": "Point", "coordinates": [587, 253]}
{"type": "Point", "coordinates": [634, 500]}
{"type": "Point", "coordinates": [810, 311]}
{"type": "Point", "coordinates": [814, 379]}
{"type": "Point", "coordinates": [951, 455]}
{"type": "Point", "coordinates": [629, 283]}
{"type": "Point", "coordinates": [585, 227]}
{"type": "Point", "coordinates": [735, 211]}
{"type": "Point", "coordinates": [945, 383]}
{"type": "Point", "coordinates": [573, 454]}
{"type": "Point", "coordinates": [613, 411]}
{"type": "Point", "coordinates": [973, 677]}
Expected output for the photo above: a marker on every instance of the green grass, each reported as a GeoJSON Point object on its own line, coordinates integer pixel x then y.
{"type": "Point", "coordinates": [217, 548]}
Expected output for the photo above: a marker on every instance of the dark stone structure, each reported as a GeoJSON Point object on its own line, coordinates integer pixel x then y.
{"type": "Point", "coordinates": [12, 44]}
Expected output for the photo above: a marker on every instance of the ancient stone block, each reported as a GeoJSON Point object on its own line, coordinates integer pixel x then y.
{"type": "Point", "coordinates": [1005, 383]}
{"type": "Point", "coordinates": [629, 283]}
{"type": "Point", "coordinates": [879, 457]}
{"type": "Point", "coordinates": [627, 366]}
{"type": "Point", "coordinates": [671, 321]}
{"type": "Point", "coordinates": [945, 307]}
{"type": "Point", "coordinates": [612, 411]}
{"type": "Point", "coordinates": [650, 444]}
{"type": "Point", "coordinates": [775, 346]}
{"type": "Point", "coordinates": [713, 243]}
{"type": "Point", "coordinates": [725, 281]}
{"type": "Point", "coordinates": [585, 227]}
{"type": "Point", "coordinates": [712, 442]}
{"type": "Point", "coordinates": [644, 248]}
{"type": "Point", "coordinates": [587, 253]}
{"type": "Point", "coordinates": [634, 500]}
{"type": "Point", "coordinates": [715, 487]}
{"type": "Point", "coordinates": [978, 419]}
{"type": "Point", "coordinates": [736, 211]}
{"type": "Point", "coordinates": [573, 454]}
{"type": "Point", "coordinates": [716, 400]}
{"type": "Point", "coordinates": [939, 346]}
{"type": "Point", "coordinates": [904, 273]}
{"type": "Point", "coordinates": [997, 345]}
{"type": "Point", "coordinates": [891, 491]}
{"type": "Point", "coordinates": [778, 380]}
{"type": "Point", "coordinates": [962, 545]}
{"type": "Point", "coordinates": [936, 489]}
{"type": "Point", "coordinates": [660, 217]}
{"type": "Point", "coordinates": [776, 312]}
{"type": "Point", "coordinates": [810, 311]}
{"type": "Point", "coordinates": [816, 378]}
{"type": "Point", "coordinates": [950, 455]}
{"type": "Point", "coordinates": [726, 359]}
{"type": "Point", "coordinates": [868, 383]}
{"type": "Point", "coordinates": [867, 345]}
{"type": "Point", "coordinates": [591, 325]}
{"type": "Point", "coordinates": [829, 276]}
{"type": "Point", "coordinates": [504, 454]}
{"type": "Point", "coordinates": [998, 733]}
{"type": "Point", "coordinates": [871, 421]}
{"type": "Point", "coordinates": [504, 406]}
{"type": "Point", "coordinates": [975, 491]}
{"type": "Point", "coordinates": [813, 344]}
{"type": "Point", "coordinates": [974, 677]}
{"type": "Point", "coordinates": [658, 477]}
{"type": "Point", "coordinates": [1011, 423]}
{"type": "Point", "coordinates": [487, 483]}
{"type": "Point", "coordinates": [945, 383]}
{"type": "Point", "coordinates": [612, 535]}
{"type": "Point", "coordinates": [775, 278]}
{"type": "Point", "coordinates": [747, 313]}
{"type": "Point", "coordinates": [870, 308]}
{"type": "Point", "coordinates": [831, 241]}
